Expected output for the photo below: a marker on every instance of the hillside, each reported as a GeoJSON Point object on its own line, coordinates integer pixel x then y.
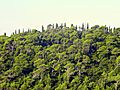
{"type": "Point", "coordinates": [61, 58]}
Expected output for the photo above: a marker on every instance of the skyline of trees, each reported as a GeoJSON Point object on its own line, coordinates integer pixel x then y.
{"type": "Point", "coordinates": [84, 26]}
{"type": "Point", "coordinates": [61, 58]}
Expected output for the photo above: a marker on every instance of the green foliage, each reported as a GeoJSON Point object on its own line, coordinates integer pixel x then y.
{"type": "Point", "coordinates": [61, 59]}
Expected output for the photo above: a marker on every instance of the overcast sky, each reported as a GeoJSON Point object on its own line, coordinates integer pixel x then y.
{"type": "Point", "coordinates": [15, 14]}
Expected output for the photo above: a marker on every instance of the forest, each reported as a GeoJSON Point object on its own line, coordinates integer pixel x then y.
{"type": "Point", "coordinates": [61, 58]}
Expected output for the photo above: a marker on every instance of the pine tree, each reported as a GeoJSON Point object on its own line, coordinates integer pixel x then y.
{"type": "Point", "coordinates": [110, 29]}
{"type": "Point", "coordinates": [42, 28]}
{"type": "Point", "coordinates": [56, 25]}
{"type": "Point", "coordinates": [83, 27]}
{"type": "Point", "coordinates": [87, 26]}
{"type": "Point", "coordinates": [19, 31]}
{"type": "Point", "coordinates": [53, 26]}
{"type": "Point", "coordinates": [79, 28]}
{"type": "Point", "coordinates": [71, 25]}
{"type": "Point", "coordinates": [28, 30]}
{"type": "Point", "coordinates": [76, 27]}
{"type": "Point", "coordinates": [15, 32]}
{"type": "Point", "coordinates": [114, 30]}
{"type": "Point", "coordinates": [64, 24]}
{"type": "Point", "coordinates": [4, 34]}
{"type": "Point", "coordinates": [61, 26]}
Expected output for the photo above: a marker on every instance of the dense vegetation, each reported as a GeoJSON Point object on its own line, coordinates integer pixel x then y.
{"type": "Point", "coordinates": [61, 58]}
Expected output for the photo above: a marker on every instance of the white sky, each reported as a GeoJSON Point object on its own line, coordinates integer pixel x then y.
{"type": "Point", "coordinates": [15, 14]}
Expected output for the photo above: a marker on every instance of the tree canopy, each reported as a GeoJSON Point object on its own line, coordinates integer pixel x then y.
{"type": "Point", "coordinates": [61, 58]}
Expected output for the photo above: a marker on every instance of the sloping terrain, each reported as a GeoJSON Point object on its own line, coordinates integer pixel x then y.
{"type": "Point", "coordinates": [61, 58]}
